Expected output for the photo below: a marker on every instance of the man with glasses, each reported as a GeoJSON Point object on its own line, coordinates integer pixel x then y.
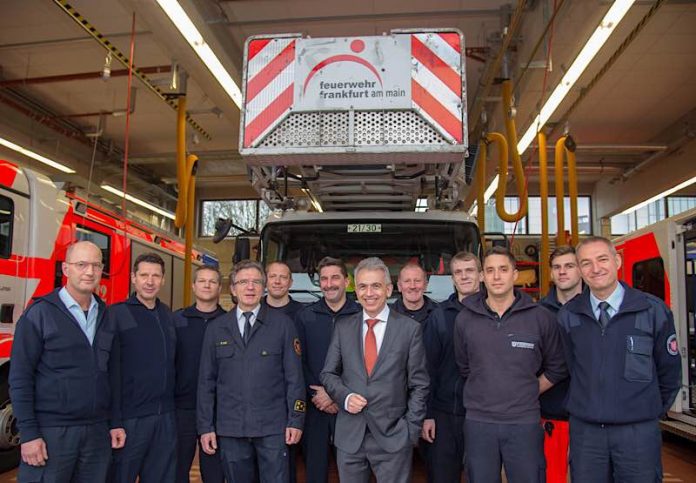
{"type": "Point", "coordinates": [59, 381]}
{"type": "Point", "coordinates": [191, 323]}
{"type": "Point", "coordinates": [251, 393]}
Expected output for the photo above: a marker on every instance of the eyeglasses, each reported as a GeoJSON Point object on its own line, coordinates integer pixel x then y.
{"type": "Point", "coordinates": [82, 266]}
{"type": "Point", "coordinates": [255, 282]}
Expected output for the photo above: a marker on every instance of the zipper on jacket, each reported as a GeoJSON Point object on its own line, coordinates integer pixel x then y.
{"type": "Point", "coordinates": [166, 358]}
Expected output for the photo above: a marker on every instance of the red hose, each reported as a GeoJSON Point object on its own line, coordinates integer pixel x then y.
{"type": "Point", "coordinates": [128, 114]}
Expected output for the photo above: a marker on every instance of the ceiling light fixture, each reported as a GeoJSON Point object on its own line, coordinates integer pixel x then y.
{"type": "Point", "coordinates": [36, 156]}
{"type": "Point", "coordinates": [665, 193]}
{"type": "Point", "coordinates": [186, 27]}
{"type": "Point", "coordinates": [613, 17]}
{"type": "Point", "coordinates": [139, 202]}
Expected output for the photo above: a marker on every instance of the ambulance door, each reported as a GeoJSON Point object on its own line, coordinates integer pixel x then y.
{"type": "Point", "coordinates": [14, 280]}
{"type": "Point", "coordinates": [690, 279]}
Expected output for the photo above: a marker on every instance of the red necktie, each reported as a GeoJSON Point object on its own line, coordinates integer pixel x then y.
{"type": "Point", "coordinates": [370, 345]}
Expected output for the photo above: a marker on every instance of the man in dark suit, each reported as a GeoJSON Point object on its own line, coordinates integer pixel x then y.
{"type": "Point", "coordinates": [376, 372]}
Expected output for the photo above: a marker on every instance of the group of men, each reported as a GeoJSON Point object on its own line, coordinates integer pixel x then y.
{"type": "Point", "coordinates": [484, 380]}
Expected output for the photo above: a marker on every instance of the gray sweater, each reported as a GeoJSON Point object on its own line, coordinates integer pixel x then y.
{"type": "Point", "coordinates": [502, 357]}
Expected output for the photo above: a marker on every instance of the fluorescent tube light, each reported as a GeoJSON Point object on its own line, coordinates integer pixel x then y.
{"type": "Point", "coordinates": [36, 156]}
{"type": "Point", "coordinates": [186, 27]}
{"type": "Point", "coordinates": [137, 201]}
{"type": "Point", "coordinates": [668, 192]}
{"type": "Point", "coordinates": [616, 13]}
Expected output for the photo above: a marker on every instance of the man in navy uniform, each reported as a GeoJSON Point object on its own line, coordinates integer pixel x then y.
{"type": "Point", "coordinates": [567, 283]}
{"type": "Point", "coordinates": [59, 381]}
{"type": "Point", "coordinates": [443, 428]}
{"type": "Point", "coordinates": [412, 284]}
{"type": "Point", "coordinates": [251, 393]}
{"type": "Point", "coordinates": [190, 324]}
{"type": "Point", "coordinates": [315, 324]}
{"type": "Point", "coordinates": [279, 282]}
{"type": "Point", "coordinates": [143, 378]}
{"type": "Point", "coordinates": [625, 370]}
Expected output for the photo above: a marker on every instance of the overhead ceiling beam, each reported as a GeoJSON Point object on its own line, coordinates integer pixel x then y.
{"type": "Point", "coordinates": [160, 69]}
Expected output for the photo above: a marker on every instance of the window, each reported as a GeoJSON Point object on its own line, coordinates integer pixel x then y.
{"type": "Point", "coordinates": [651, 213]}
{"type": "Point", "coordinates": [679, 204]}
{"type": "Point", "coordinates": [249, 214]}
{"type": "Point", "coordinates": [6, 224]}
{"type": "Point", "coordinates": [101, 240]}
{"type": "Point", "coordinates": [531, 224]}
{"type": "Point", "coordinates": [649, 276]}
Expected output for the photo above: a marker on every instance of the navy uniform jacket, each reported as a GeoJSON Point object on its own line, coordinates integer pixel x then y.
{"type": "Point", "coordinates": [420, 315]}
{"type": "Point", "coordinates": [315, 324]}
{"type": "Point", "coordinates": [56, 377]}
{"type": "Point", "coordinates": [253, 391]}
{"type": "Point", "coordinates": [190, 326]}
{"type": "Point", "coordinates": [446, 384]}
{"type": "Point", "coordinates": [628, 372]}
{"type": "Point", "coordinates": [552, 402]}
{"type": "Point", "coordinates": [142, 375]}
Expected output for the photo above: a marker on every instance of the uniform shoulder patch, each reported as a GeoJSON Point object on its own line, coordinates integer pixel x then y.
{"type": "Point", "coordinates": [297, 346]}
{"type": "Point", "coordinates": [672, 345]}
{"type": "Point", "coordinates": [300, 406]}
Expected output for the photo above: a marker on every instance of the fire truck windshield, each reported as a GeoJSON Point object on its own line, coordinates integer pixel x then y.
{"type": "Point", "coordinates": [430, 243]}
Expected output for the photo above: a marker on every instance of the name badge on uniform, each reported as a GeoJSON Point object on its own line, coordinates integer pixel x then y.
{"type": "Point", "coordinates": [223, 343]}
{"type": "Point", "coordinates": [522, 345]}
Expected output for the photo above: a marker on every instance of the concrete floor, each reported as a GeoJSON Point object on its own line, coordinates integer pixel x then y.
{"type": "Point", "coordinates": [678, 458]}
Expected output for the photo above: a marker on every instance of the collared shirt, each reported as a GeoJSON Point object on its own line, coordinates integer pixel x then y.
{"type": "Point", "coordinates": [241, 320]}
{"type": "Point", "coordinates": [379, 327]}
{"type": "Point", "coordinates": [87, 323]}
{"type": "Point", "coordinates": [614, 301]}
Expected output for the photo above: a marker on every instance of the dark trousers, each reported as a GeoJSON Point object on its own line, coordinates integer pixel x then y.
{"type": "Point", "coordinates": [317, 444]}
{"type": "Point", "coordinates": [243, 457]}
{"type": "Point", "coordinates": [79, 454]}
{"type": "Point", "coordinates": [517, 447]}
{"type": "Point", "coordinates": [631, 453]}
{"type": "Point", "coordinates": [150, 450]}
{"type": "Point", "coordinates": [444, 457]}
{"type": "Point", "coordinates": [187, 441]}
{"type": "Point", "coordinates": [370, 458]}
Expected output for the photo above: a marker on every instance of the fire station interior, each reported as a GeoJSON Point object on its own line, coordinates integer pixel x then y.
{"type": "Point", "coordinates": [102, 95]}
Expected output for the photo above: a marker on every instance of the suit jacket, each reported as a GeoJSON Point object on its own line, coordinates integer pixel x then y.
{"type": "Point", "coordinates": [396, 392]}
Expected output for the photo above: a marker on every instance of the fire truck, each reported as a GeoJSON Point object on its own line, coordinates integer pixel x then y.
{"type": "Point", "coordinates": [37, 223]}
{"type": "Point", "coordinates": [661, 259]}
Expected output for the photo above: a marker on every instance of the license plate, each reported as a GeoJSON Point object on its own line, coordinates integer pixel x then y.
{"type": "Point", "coordinates": [365, 228]}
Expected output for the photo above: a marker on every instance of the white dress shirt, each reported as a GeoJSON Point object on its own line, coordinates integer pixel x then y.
{"type": "Point", "coordinates": [379, 328]}
{"type": "Point", "coordinates": [241, 320]}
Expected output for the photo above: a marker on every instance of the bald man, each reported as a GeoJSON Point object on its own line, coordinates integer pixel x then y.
{"type": "Point", "coordinates": [59, 381]}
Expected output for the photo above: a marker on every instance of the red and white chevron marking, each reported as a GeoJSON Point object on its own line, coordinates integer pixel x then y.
{"type": "Point", "coordinates": [436, 81]}
{"type": "Point", "coordinates": [270, 86]}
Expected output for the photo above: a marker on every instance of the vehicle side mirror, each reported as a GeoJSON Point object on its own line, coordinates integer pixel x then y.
{"type": "Point", "coordinates": [242, 249]}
